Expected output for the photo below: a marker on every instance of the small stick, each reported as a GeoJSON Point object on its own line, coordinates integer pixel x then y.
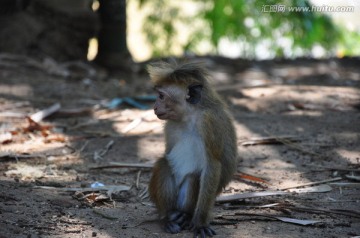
{"type": "Point", "coordinates": [322, 211]}
{"type": "Point", "coordinates": [100, 153]}
{"type": "Point", "coordinates": [237, 196]}
{"type": "Point", "coordinates": [332, 168]}
{"type": "Point", "coordinates": [312, 183]}
{"type": "Point", "coordinates": [138, 179]}
{"type": "Point", "coordinates": [124, 165]}
{"type": "Point", "coordinates": [292, 145]}
{"type": "Point", "coordinates": [135, 123]}
{"type": "Point", "coordinates": [75, 222]}
{"type": "Point", "coordinates": [22, 156]}
{"type": "Point", "coordinates": [83, 147]}
{"type": "Point", "coordinates": [40, 115]}
{"type": "Point", "coordinates": [249, 177]}
{"type": "Point", "coordinates": [268, 140]}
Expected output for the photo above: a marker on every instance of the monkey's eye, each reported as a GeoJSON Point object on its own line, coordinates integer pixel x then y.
{"type": "Point", "coordinates": [161, 96]}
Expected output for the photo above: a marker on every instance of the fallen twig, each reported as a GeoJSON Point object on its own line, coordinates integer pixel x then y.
{"type": "Point", "coordinates": [75, 222]}
{"type": "Point", "coordinates": [138, 179]}
{"type": "Point", "coordinates": [227, 206]}
{"type": "Point", "coordinates": [135, 123]}
{"type": "Point", "coordinates": [83, 147]}
{"type": "Point", "coordinates": [235, 197]}
{"type": "Point", "coordinates": [339, 201]}
{"type": "Point", "coordinates": [123, 165]}
{"type": "Point", "coordinates": [100, 153]}
{"type": "Point", "coordinates": [332, 168]}
{"type": "Point", "coordinates": [312, 183]}
{"type": "Point", "coordinates": [144, 193]}
{"type": "Point", "coordinates": [322, 211]}
{"type": "Point", "coordinates": [279, 218]}
{"type": "Point", "coordinates": [352, 185]}
{"type": "Point", "coordinates": [269, 140]}
{"type": "Point", "coordinates": [293, 146]}
{"type": "Point", "coordinates": [314, 189]}
{"type": "Point", "coordinates": [251, 178]}
{"type": "Point", "coordinates": [40, 115]}
{"type": "Point", "coordinates": [12, 155]}
{"type": "Point", "coordinates": [111, 188]}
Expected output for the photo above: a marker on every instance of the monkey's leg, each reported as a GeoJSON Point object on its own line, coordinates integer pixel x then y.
{"type": "Point", "coordinates": [186, 200]}
{"type": "Point", "coordinates": [163, 193]}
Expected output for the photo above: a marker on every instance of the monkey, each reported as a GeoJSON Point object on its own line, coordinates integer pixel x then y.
{"type": "Point", "coordinates": [200, 147]}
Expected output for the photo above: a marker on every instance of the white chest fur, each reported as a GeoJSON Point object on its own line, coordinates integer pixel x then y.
{"type": "Point", "coordinates": [187, 155]}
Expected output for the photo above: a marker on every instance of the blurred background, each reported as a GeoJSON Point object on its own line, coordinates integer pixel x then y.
{"type": "Point", "coordinates": [249, 29]}
{"type": "Point", "coordinates": [110, 32]}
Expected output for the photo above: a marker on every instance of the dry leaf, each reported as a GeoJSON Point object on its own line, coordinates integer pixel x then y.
{"type": "Point", "coordinates": [34, 126]}
{"type": "Point", "coordinates": [5, 138]}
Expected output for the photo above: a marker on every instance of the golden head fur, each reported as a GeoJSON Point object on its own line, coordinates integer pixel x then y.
{"type": "Point", "coordinates": [187, 74]}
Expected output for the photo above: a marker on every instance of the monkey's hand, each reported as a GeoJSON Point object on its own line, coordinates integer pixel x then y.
{"type": "Point", "coordinates": [179, 217]}
{"type": "Point", "coordinates": [176, 222]}
{"type": "Point", "coordinates": [172, 227]}
{"type": "Point", "coordinates": [200, 227]}
{"type": "Point", "coordinates": [203, 232]}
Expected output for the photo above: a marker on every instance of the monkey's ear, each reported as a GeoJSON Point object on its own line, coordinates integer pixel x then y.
{"type": "Point", "coordinates": [194, 94]}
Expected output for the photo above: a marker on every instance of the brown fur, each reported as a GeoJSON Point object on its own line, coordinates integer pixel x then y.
{"type": "Point", "coordinates": [215, 128]}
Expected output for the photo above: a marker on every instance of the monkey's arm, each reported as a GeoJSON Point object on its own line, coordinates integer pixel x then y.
{"type": "Point", "coordinates": [208, 188]}
{"type": "Point", "coordinates": [209, 178]}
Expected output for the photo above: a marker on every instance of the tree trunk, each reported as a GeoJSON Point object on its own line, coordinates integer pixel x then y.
{"type": "Point", "coordinates": [113, 51]}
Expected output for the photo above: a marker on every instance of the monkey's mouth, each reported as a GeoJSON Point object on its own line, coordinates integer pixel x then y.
{"type": "Point", "coordinates": [160, 115]}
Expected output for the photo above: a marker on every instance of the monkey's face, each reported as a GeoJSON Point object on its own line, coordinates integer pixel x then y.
{"type": "Point", "coordinates": [170, 103]}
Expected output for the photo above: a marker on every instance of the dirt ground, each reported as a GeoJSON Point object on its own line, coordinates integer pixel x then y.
{"type": "Point", "coordinates": [47, 168]}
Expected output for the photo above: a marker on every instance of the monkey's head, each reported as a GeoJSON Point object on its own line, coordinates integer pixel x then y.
{"type": "Point", "coordinates": [180, 89]}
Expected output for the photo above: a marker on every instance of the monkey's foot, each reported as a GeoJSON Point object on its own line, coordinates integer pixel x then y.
{"type": "Point", "coordinates": [181, 218]}
{"type": "Point", "coordinates": [172, 227]}
{"type": "Point", "coordinates": [203, 232]}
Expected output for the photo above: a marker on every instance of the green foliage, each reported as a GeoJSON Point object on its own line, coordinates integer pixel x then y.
{"type": "Point", "coordinates": [350, 43]}
{"type": "Point", "coordinates": [161, 25]}
{"type": "Point", "coordinates": [250, 23]}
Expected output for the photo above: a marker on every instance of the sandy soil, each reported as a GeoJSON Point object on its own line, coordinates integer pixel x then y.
{"type": "Point", "coordinates": [46, 172]}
